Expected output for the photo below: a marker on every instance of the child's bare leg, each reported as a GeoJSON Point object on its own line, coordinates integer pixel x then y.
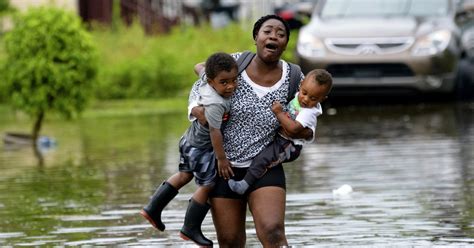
{"type": "Point", "coordinates": [201, 194]}
{"type": "Point", "coordinates": [179, 179]}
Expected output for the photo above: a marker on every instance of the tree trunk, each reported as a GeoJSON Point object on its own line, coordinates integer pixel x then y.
{"type": "Point", "coordinates": [35, 135]}
{"type": "Point", "coordinates": [37, 127]}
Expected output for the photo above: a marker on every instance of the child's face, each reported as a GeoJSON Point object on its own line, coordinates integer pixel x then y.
{"type": "Point", "coordinates": [225, 83]}
{"type": "Point", "coordinates": [311, 93]}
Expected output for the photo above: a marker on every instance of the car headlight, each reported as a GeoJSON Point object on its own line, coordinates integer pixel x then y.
{"type": "Point", "coordinates": [431, 44]}
{"type": "Point", "coordinates": [310, 46]}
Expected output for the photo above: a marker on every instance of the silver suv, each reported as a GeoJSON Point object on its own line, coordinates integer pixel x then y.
{"type": "Point", "coordinates": [387, 44]}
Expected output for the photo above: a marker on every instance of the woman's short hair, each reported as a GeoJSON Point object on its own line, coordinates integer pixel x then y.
{"type": "Point", "coordinates": [258, 24]}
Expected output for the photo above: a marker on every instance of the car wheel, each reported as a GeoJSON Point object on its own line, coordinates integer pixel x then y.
{"type": "Point", "coordinates": [465, 80]}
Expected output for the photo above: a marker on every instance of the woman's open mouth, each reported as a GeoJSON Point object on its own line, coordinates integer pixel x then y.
{"type": "Point", "coordinates": [272, 47]}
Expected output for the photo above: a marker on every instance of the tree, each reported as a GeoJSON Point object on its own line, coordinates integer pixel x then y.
{"type": "Point", "coordinates": [4, 5]}
{"type": "Point", "coordinates": [4, 8]}
{"type": "Point", "coordinates": [50, 64]}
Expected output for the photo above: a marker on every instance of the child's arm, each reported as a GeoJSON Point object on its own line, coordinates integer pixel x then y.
{"type": "Point", "coordinates": [291, 128]}
{"type": "Point", "coordinates": [223, 165]}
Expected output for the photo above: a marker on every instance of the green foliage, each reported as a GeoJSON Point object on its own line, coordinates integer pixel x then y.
{"type": "Point", "coordinates": [289, 53]}
{"type": "Point", "coordinates": [4, 5]}
{"type": "Point", "coordinates": [3, 91]}
{"type": "Point", "coordinates": [5, 9]}
{"type": "Point", "coordinates": [138, 66]}
{"type": "Point", "coordinates": [133, 107]}
{"type": "Point", "coordinates": [51, 62]}
{"type": "Point", "coordinates": [134, 65]}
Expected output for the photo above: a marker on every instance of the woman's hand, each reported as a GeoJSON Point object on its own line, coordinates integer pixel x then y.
{"type": "Point", "coordinates": [277, 107]}
{"type": "Point", "coordinates": [199, 68]}
{"type": "Point", "coordinates": [198, 112]}
{"type": "Point", "coordinates": [224, 168]}
{"type": "Point", "coordinates": [307, 133]}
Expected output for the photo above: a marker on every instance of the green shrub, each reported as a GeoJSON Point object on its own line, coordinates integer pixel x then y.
{"type": "Point", "coordinates": [4, 5]}
{"type": "Point", "coordinates": [5, 9]}
{"type": "Point", "coordinates": [134, 65]}
{"type": "Point", "coordinates": [51, 63]}
{"type": "Point", "coordinates": [144, 77]}
{"type": "Point", "coordinates": [3, 90]}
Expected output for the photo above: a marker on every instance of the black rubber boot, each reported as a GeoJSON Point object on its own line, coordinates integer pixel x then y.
{"type": "Point", "coordinates": [191, 229]}
{"type": "Point", "coordinates": [162, 196]}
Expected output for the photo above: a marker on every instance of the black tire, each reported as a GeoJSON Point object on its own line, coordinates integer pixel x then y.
{"type": "Point", "coordinates": [464, 89]}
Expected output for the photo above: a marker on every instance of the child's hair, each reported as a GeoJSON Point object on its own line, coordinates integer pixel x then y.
{"type": "Point", "coordinates": [218, 62]}
{"type": "Point", "coordinates": [258, 24]}
{"type": "Point", "coordinates": [321, 77]}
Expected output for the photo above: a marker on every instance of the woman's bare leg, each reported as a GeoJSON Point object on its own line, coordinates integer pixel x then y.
{"type": "Point", "coordinates": [228, 216]}
{"type": "Point", "coordinates": [267, 205]}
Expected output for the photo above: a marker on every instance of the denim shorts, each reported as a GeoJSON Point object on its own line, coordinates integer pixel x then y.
{"type": "Point", "coordinates": [199, 161]}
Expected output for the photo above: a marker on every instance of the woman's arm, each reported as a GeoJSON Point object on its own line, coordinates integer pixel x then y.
{"type": "Point", "coordinates": [306, 134]}
{"type": "Point", "coordinates": [196, 111]}
{"type": "Point", "coordinates": [199, 68]}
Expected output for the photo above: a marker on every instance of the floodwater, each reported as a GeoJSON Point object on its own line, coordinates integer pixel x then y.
{"type": "Point", "coordinates": [411, 167]}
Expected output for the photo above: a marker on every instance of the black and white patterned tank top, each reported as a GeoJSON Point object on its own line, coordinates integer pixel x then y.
{"type": "Point", "coordinates": [252, 124]}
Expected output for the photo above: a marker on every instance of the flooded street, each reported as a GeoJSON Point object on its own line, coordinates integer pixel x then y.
{"type": "Point", "coordinates": [411, 167]}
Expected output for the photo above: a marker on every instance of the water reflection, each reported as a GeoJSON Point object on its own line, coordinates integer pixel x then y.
{"type": "Point", "coordinates": [411, 168]}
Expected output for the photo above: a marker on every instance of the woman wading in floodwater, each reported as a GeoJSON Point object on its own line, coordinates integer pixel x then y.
{"type": "Point", "coordinates": [250, 128]}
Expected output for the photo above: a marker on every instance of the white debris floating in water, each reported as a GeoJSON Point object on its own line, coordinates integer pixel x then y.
{"type": "Point", "coordinates": [342, 191]}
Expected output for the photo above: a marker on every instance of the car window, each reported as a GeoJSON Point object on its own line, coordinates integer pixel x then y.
{"type": "Point", "coordinates": [367, 8]}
